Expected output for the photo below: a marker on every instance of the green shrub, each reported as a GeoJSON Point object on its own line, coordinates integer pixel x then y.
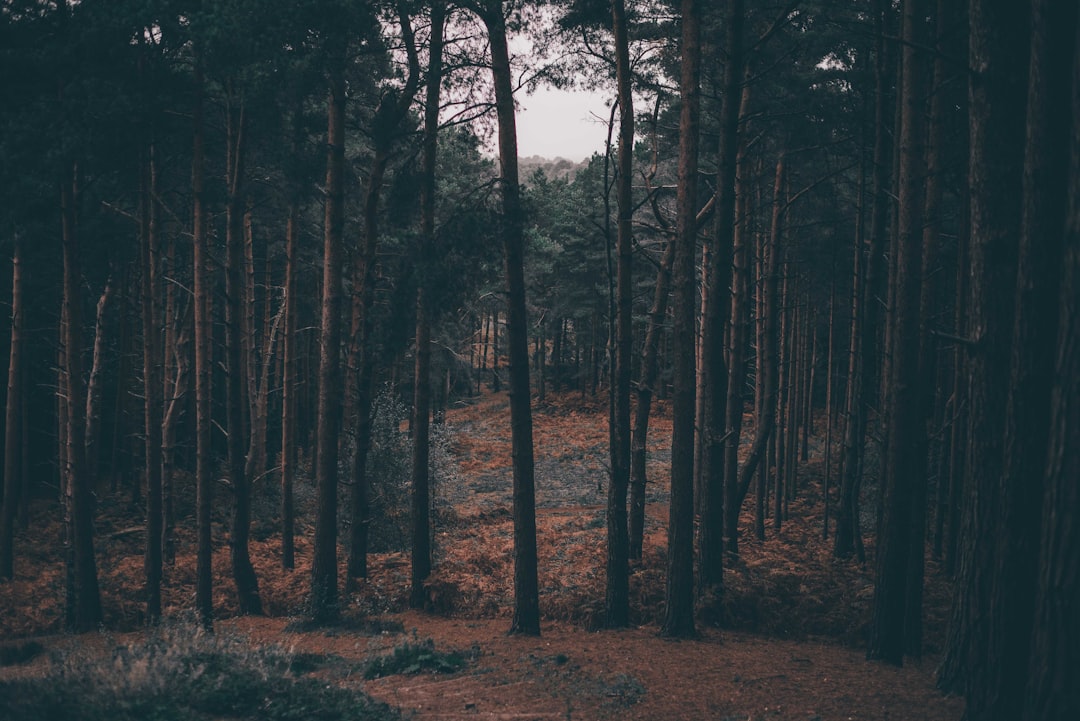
{"type": "Point", "coordinates": [182, 673]}
{"type": "Point", "coordinates": [412, 657]}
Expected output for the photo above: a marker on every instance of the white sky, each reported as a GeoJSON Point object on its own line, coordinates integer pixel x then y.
{"type": "Point", "coordinates": [570, 124]}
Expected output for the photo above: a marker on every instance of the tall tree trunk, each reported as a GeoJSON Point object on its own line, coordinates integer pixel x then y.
{"type": "Point", "coordinates": [148, 231]}
{"type": "Point", "coordinates": [14, 449]}
{"type": "Point", "coordinates": [94, 384]}
{"type": "Point", "coordinates": [767, 355]}
{"type": "Point", "coordinates": [176, 382]}
{"type": "Point", "coordinates": [258, 356]}
{"type": "Point", "coordinates": [1053, 686]}
{"type": "Point", "coordinates": [324, 571]}
{"type": "Point", "coordinates": [389, 114]}
{"type": "Point", "coordinates": [650, 371]}
{"type": "Point", "coordinates": [247, 585]}
{"type": "Point", "coordinates": [866, 321]}
{"type": "Point", "coordinates": [289, 391]}
{"type": "Point", "coordinates": [998, 78]}
{"type": "Point", "coordinates": [617, 595]}
{"type": "Point", "coordinates": [679, 595]}
{"type": "Point", "coordinates": [740, 319]}
{"type": "Point", "coordinates": [904, 482]}
{"type": "Point", "coordinates": [421, 495]}
{"type": "Point", "coordinates": [526, 587]}
{"type": "Point", "coordinates": [714, 357]}
{"type": "Point", "coordinates": [1046, 179]}
{"type": "Point", "coordinates": [203, 289]}
{"type": "Point", "coordinates": [87, 595]}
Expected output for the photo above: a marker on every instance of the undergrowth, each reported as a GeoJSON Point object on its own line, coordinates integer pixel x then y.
{"type": "Point", "coordinates": [182, 673]}
{"type": "Point", "coordinates": [415, 657]}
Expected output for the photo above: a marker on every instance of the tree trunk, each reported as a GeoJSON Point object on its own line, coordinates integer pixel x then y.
{"type": "Point", "coordinates": [87, 596]}
{"type": "Point", "coordinates": [247, 586]}
{"type": "Point", "coordinates": [1046, 178]}
{"type": "Point", "coordinates": [905, 466]}
{"type": "Point", "coordinates": [767, 356]}
{"type": "Point", "coordinates": [14, 449]}
{"type": "Point", "coordinates": [1053, 683]}
{"type": "Point", "coordinates": [650, 371]}
{"type": "Point", "coordinates": [289, 391]}
{"type": "Point", "coordinates": [203, 330]}
{"type": "Point", "coordinates": [866, 319]}
{"type": "Point", "coordinates": [617, 595]}
{"type": "Point", "coordinates": [998, 79]}
{"type": "Point", "coordinates": [526, 618]}
{"type": "Point", "coordinates": [152, 414]}
{"type": "Point", "coordinates": [421, 496]}
{"type": "Point", "coordinates": [324, 571]}
{"type": "Point", "coordinates": [679, 596]}
{"type": "Point", "coordinates": [389, 114]}
{"type": "Point", "coordinates": [714, 371]}
{"type": "Point", "coordinates": [94, 386]}
{"type": "Point", "coordinates": [737, 365]}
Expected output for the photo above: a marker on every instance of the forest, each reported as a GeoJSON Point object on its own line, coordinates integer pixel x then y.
{"type": "Point", "coordinates": [298, 346]}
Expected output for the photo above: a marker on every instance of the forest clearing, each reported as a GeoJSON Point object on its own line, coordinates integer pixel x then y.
{"type": "Point", "coordinates": [791, 649]}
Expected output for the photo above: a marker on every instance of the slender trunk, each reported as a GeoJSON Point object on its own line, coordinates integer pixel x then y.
{"type": "Point", "coordinates": [289, 391]}
{"type": "Point", "coordinates": [203, 329]}
{"type": "Point", "coordinates": [715, 372]}
{"type": "Point", "coordinates": [650, 371]}
{"type": "Point", "coordinates": [827, 473]}
{"type": "Point", "coordinates": [94, 384]}
{"type": "Point", "coordinates": [617, 597]}
{"type": "Point", "coordinates": [86, 593]}
{"type": "Point", "coordinates": [247, 586]}
{"type": "Point", "coordinates": [152, 413]}
{"type": "Point", "coordinates": [866, 321]}
{"type": "Point", "coordinates": [679, 611]}
{"type": "Point", "coordinates": [905, 465]}
{"type": "Point", "coordinates": [737, 366]}
{"type": "Point", "coordinates": [324, 571]}
{"type": "Point", "coordinates": [14, 449]}
{"type": "Point", "coordinates": [421, 496]}
{"type": "Point", "coordinates": [768, 361]}
{"type": "Point", "coordinates": [526, 594]}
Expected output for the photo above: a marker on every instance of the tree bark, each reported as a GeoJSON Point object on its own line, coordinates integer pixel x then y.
{"type": "Point", "coordinates": [617, 592]}
{"type": "Point", "coordinates": [716, 372]}
{"type": "Point", "coordinates": [421, 495]}
{"type": "Point", "coordinates": [247, 586]}
{"type": "Point", "coordinates": [1046, 180]}
{"type": "Point", "coordinates": [289, 391]}
{"type": "Point", "coordinates": [650, 371]}
{"type": "Point", "coordinates": [904, 482]}
{"type": "Point", "coordinates": [679, 595]}
{"type": "Point", "coordinates": [526, 618]}
{"type": "Point", "coordinates": [866, 320]}
{"type": "Point", "coordinates": [1053, 676]}
{"type": "Point", "coordinates": [14, 449]}
{"type": "Point", "coordinates": [998, 78]}
{"type": "Point", "coordinates": [324, 571]}
{"type": "Point", "coordinates": [203, 329]}
{"type": "Point", "coordinates": [152, 388]}
{"type": "Point", "coordinates": [87, 597]}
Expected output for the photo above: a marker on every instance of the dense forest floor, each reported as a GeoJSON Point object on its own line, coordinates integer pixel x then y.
{"type": "Point", "coordinates": [791, 646]}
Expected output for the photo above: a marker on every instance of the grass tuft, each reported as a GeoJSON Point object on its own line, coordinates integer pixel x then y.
{"type": "Point", "coordinates": [415, 657]}
{"type": "Point", "coordinates": [182, 673]}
